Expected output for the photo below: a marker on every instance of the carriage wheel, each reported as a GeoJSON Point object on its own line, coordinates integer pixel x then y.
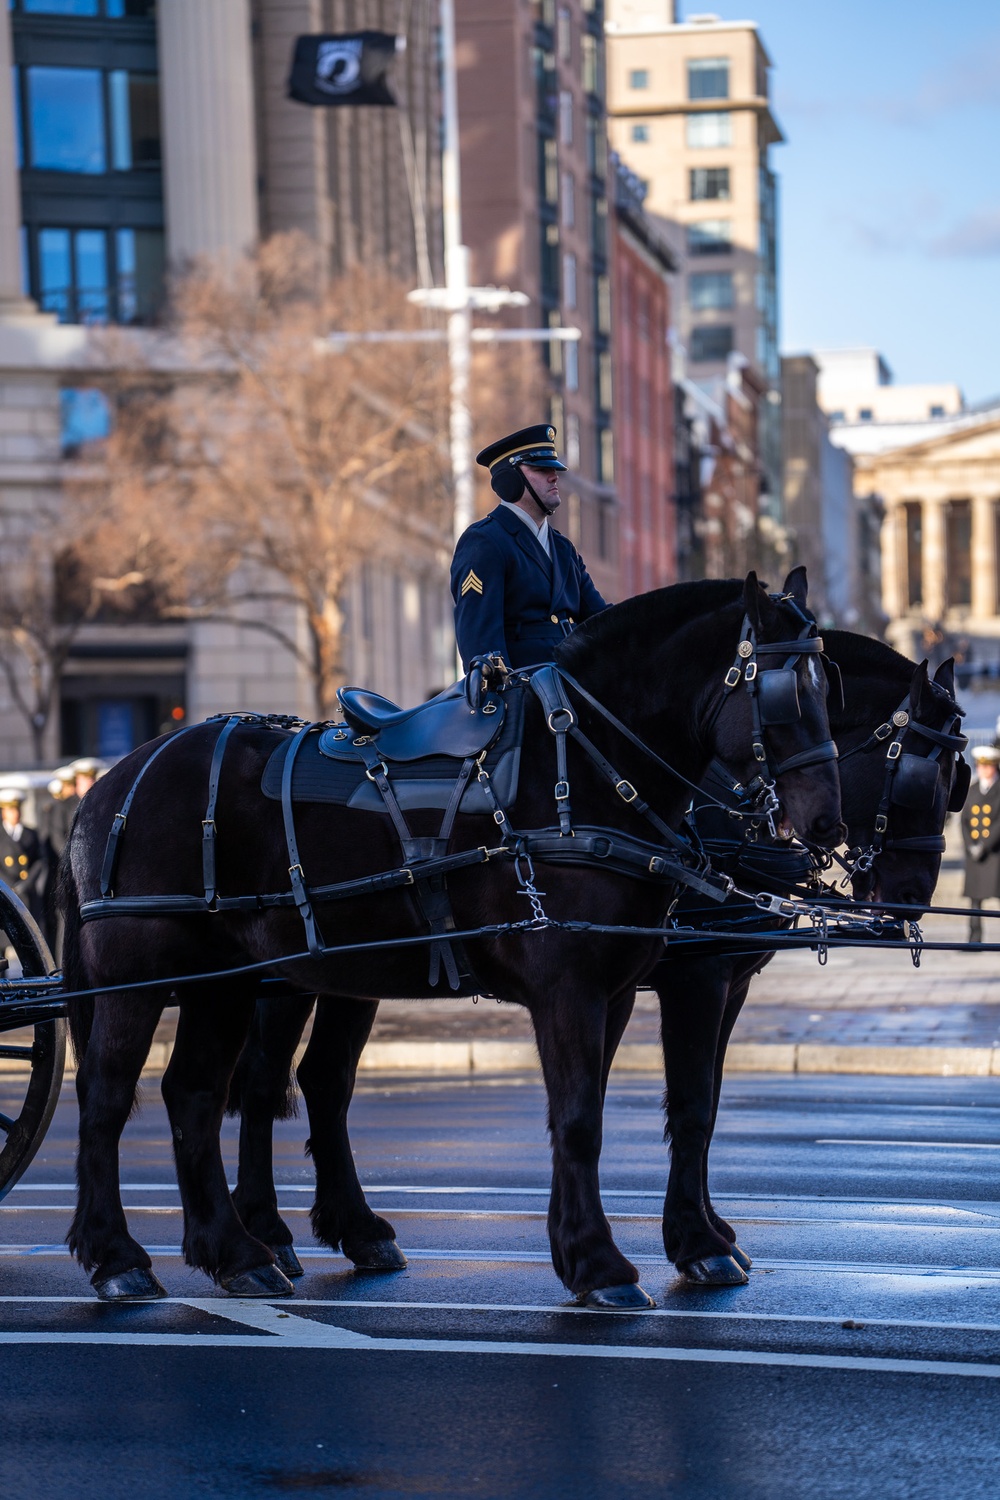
{"type": "Point", "coordinates": [27, 1100]}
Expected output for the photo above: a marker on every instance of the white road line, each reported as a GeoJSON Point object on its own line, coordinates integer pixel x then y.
{"type": "Point", "coordinates": [967, 1275]}
{"type": "Point", "coordinates": [550, 1309]}
{"type": "Point", "coordinates": [914, 1145]}
{"type": "Point", "coordinates": [286, 1331]}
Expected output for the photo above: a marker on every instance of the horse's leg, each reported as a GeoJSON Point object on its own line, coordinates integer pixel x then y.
{"type": "Point", "coordinates": [571, 1030]}
{"type": "Point", "coordinates": [693, 995]}
{"type": "Point", "coordinates": [738, 990]}
{"type": "Point", "coordinates": [341, 1216]}
{"type": "Point", "coordinates": [260, 1091]}
{"type": "Point", "coordinates": [210, 1035]}
{"type": "Point", "coordinates": [110, 1062]}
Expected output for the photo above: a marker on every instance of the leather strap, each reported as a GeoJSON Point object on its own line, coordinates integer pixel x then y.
{"type": "Point", "coordinates": [208, 822]}
{"type": "Point", "coordinates": [121, 818]}
{"type": "Point", "coordinates": [314, 940]}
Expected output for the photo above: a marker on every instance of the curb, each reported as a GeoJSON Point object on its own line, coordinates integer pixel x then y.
{"type": "Point", "coordinates": [457, 1057]}
{"type": "Point", "coordinates": [464, 1057]}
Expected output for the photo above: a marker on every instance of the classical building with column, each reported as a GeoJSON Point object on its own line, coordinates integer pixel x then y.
{"type": "Point", "coordinates": [941, 537]}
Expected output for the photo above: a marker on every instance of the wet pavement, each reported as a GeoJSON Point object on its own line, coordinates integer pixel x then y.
{"type": "Point", "coordinates": [862, 1360]}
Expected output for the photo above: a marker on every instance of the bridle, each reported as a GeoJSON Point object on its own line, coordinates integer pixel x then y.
{"type": "Point", "coordinates": [910, 781]}
{"type": "Point", "coordinates": [774, 700]}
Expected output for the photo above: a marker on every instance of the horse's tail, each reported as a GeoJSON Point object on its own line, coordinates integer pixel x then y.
{"type": "Point", "coordinates": [258, 1083]}
{"type": "Point", "coordinates": [81, 1012]}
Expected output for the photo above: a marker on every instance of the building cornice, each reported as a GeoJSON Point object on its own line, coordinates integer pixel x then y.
{"type": "Point", "coordinates": [754, 103]}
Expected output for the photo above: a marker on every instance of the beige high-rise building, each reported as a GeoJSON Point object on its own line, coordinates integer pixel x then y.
{"type": "Point", "coordinates": [689, 111]}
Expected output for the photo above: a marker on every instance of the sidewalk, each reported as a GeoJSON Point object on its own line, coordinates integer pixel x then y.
{"type": "Point", "coordinates": [866, 1011]}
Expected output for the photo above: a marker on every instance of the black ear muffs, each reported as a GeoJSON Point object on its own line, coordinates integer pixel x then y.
{"type": "Point", "coordinates": [960, 790]}
{"type": "Point", "coordinates": [508, 483]}
{"type": "Point", "coordinates": [778, 694]}
{"type": "Point", "coordinates": [915, 783]}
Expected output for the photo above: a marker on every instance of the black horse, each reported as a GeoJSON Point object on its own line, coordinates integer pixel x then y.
{"type": "Point", "coordinates": [659, 664]}
{"type": "Point", "coordinates": [702, 987]}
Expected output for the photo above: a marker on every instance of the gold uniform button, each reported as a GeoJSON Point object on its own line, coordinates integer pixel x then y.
{"type": "Point", "coordinates": [22, 859]}
{"type": "Point", "coordinates": [24, 875]}
{"type": "Point", "coordinates": [8, 859]}
{"type": "Point", "coordinates": [554, 619]}
{"type": "Point", "coordinates": [975, 807]}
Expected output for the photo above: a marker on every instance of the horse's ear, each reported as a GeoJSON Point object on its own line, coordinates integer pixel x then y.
{"type": "Point", "coordinates": [760, 611]}
{"type": "Point", "coordinates": [920, 687]}
{"type": "Point", "coordinates": [797, 585]}
{"type": "Point", "coordinates": [945, 676]}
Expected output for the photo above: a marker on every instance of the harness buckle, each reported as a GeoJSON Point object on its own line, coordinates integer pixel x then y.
{"type": "Point", "coordinates": [655, 864]}
{"type": "Point", "coordinates": [561, 791]}
{"type": "Point", "coordinates": [373, 772]}
{"type": "Point", "coordinates": [882, 732]}
{"type": "Point", "coordinates": [570, 720]}
{"type": "Point", "coordinates": [895, 750]}
{"type": "Point", "coordinates": [626, 791]}
{"type": "Point", "coordinates": [751, 671]}
{"type": "Point", "coordinates": [499, 817]}
{"type": "Point", "coordinates": [732, 677]}
{"type": "Point", "coordinates": [881, 823]}
{"type": "Point", "coordinates": [759, 753]}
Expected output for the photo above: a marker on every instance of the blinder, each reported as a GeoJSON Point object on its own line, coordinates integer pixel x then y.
{"type": "Point", "coordinates": [960, 786]}
{"type": "Point", "coordinates": [778, 695]}
{"type": "Point", "coordinates": [915, 783]}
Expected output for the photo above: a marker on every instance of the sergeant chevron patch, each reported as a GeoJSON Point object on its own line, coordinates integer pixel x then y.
{"type": "Point", "coordinates": [471, 584]}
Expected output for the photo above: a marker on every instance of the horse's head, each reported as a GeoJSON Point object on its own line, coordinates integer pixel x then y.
{"type": "Point", "coordinates": [898, 789]}
{"type": "Point", "coordinates": [772, 727]}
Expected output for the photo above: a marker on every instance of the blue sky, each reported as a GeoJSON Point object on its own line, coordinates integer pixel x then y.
{"type": "Point", "coordinates": [890, 180]}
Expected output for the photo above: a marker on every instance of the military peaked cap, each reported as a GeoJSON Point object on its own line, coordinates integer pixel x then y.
{"type": "Point", "coordinates": [535, 446]}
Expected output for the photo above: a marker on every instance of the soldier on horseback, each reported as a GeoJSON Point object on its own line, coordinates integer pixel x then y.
{"type": "Point", "coordinates": [519, 586]}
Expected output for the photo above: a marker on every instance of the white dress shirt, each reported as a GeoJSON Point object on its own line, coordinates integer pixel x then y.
{"type": "Point", "coordinates": [541, 532]}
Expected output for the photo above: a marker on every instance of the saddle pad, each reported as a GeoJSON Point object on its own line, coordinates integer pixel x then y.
{"type": "Point", "coordinates": [425, 783]}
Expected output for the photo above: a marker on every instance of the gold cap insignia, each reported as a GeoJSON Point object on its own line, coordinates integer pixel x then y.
{"type": "Point", "coordinates": [550, 433]}
{"type": "Point", "coordinates": [471, 584]}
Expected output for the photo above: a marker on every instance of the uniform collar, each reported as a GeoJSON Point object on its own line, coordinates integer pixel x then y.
{"type": "Point", "coordinates": [540, 532]}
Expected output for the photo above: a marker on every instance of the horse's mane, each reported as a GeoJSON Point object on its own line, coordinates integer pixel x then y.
{"type": "Point", "coordinates": [864, 655]}
{"type": "Point", "coordinates": [666, 609]}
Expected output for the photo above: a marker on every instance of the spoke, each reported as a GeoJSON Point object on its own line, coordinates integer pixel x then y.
{"type": "Point", "coordinates": [24, 1053]}
{"type": "Point", "coordinates": [6, 1123]}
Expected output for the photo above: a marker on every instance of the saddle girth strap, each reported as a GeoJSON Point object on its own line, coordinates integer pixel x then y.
{"type": "Point", "coordinates": [121, 818]}
{"type": "Point", "coordinates": [314, 940]}
{"type": "Point", "coordinates": [208, 822]}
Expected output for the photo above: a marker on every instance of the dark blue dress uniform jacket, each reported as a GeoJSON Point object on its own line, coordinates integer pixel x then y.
{"type": "Point", "coordinates": [513, 599]}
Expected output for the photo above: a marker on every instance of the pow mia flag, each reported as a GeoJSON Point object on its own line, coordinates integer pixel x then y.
{"type": "Point", "coordinates": [342, 69]}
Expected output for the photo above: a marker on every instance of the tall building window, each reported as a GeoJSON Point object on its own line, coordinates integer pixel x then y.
{"type": "Point", "coordinates": [96, 275]}
{"type": "Point", "coordinates": [711, 343]}
{"type": "Point", "coordinates": [603, 289]}
{"type": "Point", "coordinates": [607, 463]}
{"type": "Point", "coordinates": [569, 280]}
{"type": "Point", "coordinates": [591, 69]}
{"type": "Point", "coordinates": [710, 237]}
{"type": "Point", "coordinates": [710, 290]}
{"type": "Point", "coordinates": [572, 365]}
{"type": "Point", "coordinates": [639, 132]}
{"type": "Point", "coordinates": [604, 389]}
{"type": "Point", "coordinates": [958, 544]}
{"type": "Point", "coordinates": [564, 33]}
{"type": "Point", "coordinates": [568, 200]}
{"type": "Point", "coordinates": [65, 108]}
{"type": "Point", "coordinates": [550, 170]}
{"type": "Point", "coordinates": [709, 183]}
{"type": "Point", "coordinates": [638, 78]}
{"type": "Point", "coordinates": [573, 447]}
{"type": "Point", "coordinates": [914, 522]}
{"type": "Point", "coordinates": [708, 78]}
{"type": "Point", "coordinates": [566, 117]}
{"type": "Point", "coordinates": [710, 130]}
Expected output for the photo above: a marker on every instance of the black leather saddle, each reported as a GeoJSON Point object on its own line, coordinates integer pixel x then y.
{"type": "Point", "coordinates": [449, 724]}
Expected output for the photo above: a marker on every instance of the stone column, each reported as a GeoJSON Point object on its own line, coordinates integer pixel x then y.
{"type": "Point", "coordinates": [984, 558]}
{"type": "Point", "coordinates": [209, 143]}
{"type": "Point", "coordinates": [894, 581]}
{"type": "Point", "coordinates": [12, 299]}
{"type": "Point", "coordinates": [294, 137]}
{"type": "Point", "coordinates": [935, 559]}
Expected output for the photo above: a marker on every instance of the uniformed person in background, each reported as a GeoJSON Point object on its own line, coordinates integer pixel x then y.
{"type": "Point", "coordinates": [20, 849]}
{"type": "Point", "coordinates": [519, 586]}
{"type": "Point", "coordinates": [981, 835]}
{"type": "Point", "coordinates": [55, 819]}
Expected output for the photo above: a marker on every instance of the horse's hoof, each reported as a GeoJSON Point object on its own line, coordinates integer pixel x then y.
{"type": "Point", "coordinates": [378, 1255]}
{"type": "Point", "coordinates": [137, 1285]}
{"type": "Point", "coordinates": [287, 1261]}
{"type": "Point", "coordinates": [627, 1298]}
{"type": "Point", "coordinates": [715, 1270]}
{"type": "Point", "coordinates": [741, 1258]}
{"type": "Point", "coordinates": [259, 1281]}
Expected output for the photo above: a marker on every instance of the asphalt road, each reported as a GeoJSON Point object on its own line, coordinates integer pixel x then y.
{"type": "Point", "coordinates": [862, 1360]}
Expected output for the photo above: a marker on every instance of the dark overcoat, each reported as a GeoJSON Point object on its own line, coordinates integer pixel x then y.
{"type": "Point", "coordinates": [981, 837]}
{"type": "Point", "coordinates": [21, 862]}
{"type": "Point", "coordinates": [510, 597]}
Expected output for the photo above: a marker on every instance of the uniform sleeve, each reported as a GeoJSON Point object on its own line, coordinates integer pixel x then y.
{"type": "Point", "coordinates": [591, 602]}
{"type": "Point", "coordinates": [478, 581]}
